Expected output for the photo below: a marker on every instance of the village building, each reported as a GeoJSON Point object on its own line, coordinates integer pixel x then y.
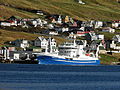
{"type": "Point", "coordinates": [98, 24]}
{"type": "Point", "coordinates": [100, 37]}
{"type": "Point", "coordinates": [41, 42]}
{"type": "Point", "coordinates": [50, 26]}
{"type": "Point", "coordinates": [53, 32]}
{"type": "Point", "coordinates": [67, 19]}
{"type": "Point", "coordinates": [4, 53]}
{"type": "Point", "coordinates": [91, 36]}
{"type": "Point", "coordinates": [47, 44]}
{"type": "Point", "coordinates": [53, 20]}
{"type": "Point", "coordinates": [116, 38]}
{"type": "Point", "coordinates": [59, 20]}
{"type": "Point", "coordinates": [108, 29]}
{"type": "Point", "coordinates": [22, 43]}
{"type": "Point", "coordinates": [116, 24]}
{"type": "Point", "coordinates": [114, 45]}
{"type": "Point", "coordinates": [81, 2]}
{"type": "Point", "coordinates": [5, 23]}
{"type": "Point", "coordinates": [65, 29]}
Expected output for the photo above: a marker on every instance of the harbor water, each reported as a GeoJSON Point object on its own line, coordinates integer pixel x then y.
{"type": "Point", "coordinates": [58, 77]}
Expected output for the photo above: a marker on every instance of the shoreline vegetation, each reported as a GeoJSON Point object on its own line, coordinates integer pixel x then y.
{"type": "Point", "coordinates": [107, 59]}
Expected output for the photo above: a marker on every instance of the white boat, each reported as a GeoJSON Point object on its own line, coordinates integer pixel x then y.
{"type": "Point", "coordinates": [69, 53]}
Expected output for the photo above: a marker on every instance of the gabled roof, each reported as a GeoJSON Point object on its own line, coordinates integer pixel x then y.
{"type": "Point", "coordinates": [14, 17]}
{"type": "Point", "coordinates": [41, 38]}
{"type": "Point", "coordinates": [117, 36]}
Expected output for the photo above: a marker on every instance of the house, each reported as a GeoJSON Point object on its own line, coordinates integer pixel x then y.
{"type": "Point", "coordinates": [116, 24]}
{"type": "Point", "coordinates": [53, 20]}
{"type": "Point", "coordinates": [74, 24]}
{"type": "Point", "coordinates": [53, 32]}
{"type": "Point", "coordinates": [13, 18]}
{"type": "Point", "coordinates": [59, 21]}
{"type": "Point", "coordinates": [108, 29]}
{"type": "Point", "coordinates": [4, 53]}
{"type": "Point", "coordinates": [44, 22]}
{"type": "Point", "coordinates": [116, 38]}
{"type": "Point", "coordinates": [100, 37]}
{"type": "Point", "coordinates": [47, 44]}
{"type": "Point", "coordinates": [98, 24]}
{"type": "Point", "coordinates": [34, 23]}
{"type": "Point", "coordinates": [52, 45]}
{"type": "Point", "coordinates": [13, 23]}
{"type": "Point", "coordinates": [64, 29]}
{"type": "Point", "coordinates": [22, 43]}
{"type": "Point", "coordinates": [67, 19]}
{"type": "Point", "coordinates": [82, 33]}
{"type": "Point", "coordinates": [81, 2]}
{"type": "Point", "coordinates": [41, 42]}
{"type": "Point", "coordinates": [114, 46]}
{"type": "Point", "coordinates": [50, 26]}
{"type": "Point", "coordinates": [5, 23]}
{"type": "Point", "coordinates": [39, 12]}
{"type": "Point", "coordinates": [91, 36]}
{"type": "Point", "coordinates": [39, 22]}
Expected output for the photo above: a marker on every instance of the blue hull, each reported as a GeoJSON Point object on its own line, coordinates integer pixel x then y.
{"type": "Point", "coordinates": [61, 61]}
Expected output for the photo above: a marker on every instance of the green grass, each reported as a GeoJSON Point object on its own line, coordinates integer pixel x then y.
{"type": "Point", "coordinates": [12, 35]}
{"type": "Point", "coordinates": [117, 31]}
{"type": "Point", "coordinates": [108, 59]}
{"type": "Point", "coordinates": [107, 35]}
{"type": "Point", "coordinates": [93, 9]}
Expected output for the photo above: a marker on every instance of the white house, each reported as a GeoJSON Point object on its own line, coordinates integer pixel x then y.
{"type": "Point", "coordinates": [21, 43]}
{"type": "Point", "coordinates": [5, 23]}
{"type": "Point", "coordinates": [13, 23]}
{"type": "Point", "coordinates": [100, 37]}
{"type": "Point", "coordinates": [59, 20]}
{"type": "Point", "coordinates": [116, 24]}
{"type": "Point", "coordinates": [116, 38]}
{"type": "Point", "coordinates": [52, 45]}
{"type": "Point", "coordinates": [91, 36]}
{"type": "Point", "coordinates": [44, 22]}
{"type": "Point", "coordinates": [50, 26]}
{"type": "Point", "coordinates": [53, 32]}
{"type": "Point", "coordinates": [39, 22]}
{"type": "Point", "coordinates": [48, 44]}
{"type": "Point", "coordinates": [81, 2]}
{"type": "Point", "coordinates": [41, 42]}
{"type": "Point", "coordinates": [98, 24]}
{"type": "Point", "coordinates": [34, 22]}
{"type": "Point", "coordinates": [65, 29]}
{"type": "Point", "coordinates": [39, 12]}
{"type": "Point", "coordinates": [114, 46]}
{"type": "Point", "coordinates": [24, 44]}
{"type": "Point", "coordinates": [108, 29]}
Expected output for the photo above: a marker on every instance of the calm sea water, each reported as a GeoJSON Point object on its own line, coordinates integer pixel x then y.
{"type": "Point", "coordinates": [57, 77]}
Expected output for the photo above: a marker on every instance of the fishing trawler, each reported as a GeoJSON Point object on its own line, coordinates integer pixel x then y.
{"type": "Point", "coordinates": [69, 53]}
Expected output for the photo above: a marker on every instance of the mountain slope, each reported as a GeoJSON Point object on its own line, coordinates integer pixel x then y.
{"type": "Point", "coordinates": [93, 9]}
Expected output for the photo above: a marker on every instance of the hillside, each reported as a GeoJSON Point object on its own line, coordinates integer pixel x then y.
{"type": "Point", "coordinates": [11, 35]}
{"type": "Point", "coordinates": [6, 35]}
{"type": "Point", "coordinates": [93, 9]}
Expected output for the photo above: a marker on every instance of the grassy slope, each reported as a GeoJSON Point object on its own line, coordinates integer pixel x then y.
{"type": "Point", "coordinates": [94, 9]}
{"type": "Point", "coordinates": [12, 35]}
{"type": "Point", "coordinates": [108, 59]}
